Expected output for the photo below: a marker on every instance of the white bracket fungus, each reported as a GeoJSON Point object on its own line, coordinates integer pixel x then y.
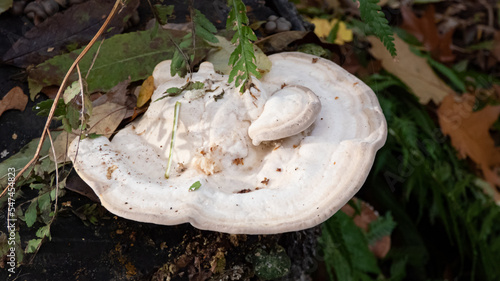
{"type": "Point", "coordinates": [283, 156]}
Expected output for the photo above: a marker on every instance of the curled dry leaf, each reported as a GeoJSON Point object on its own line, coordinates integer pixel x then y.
{"type": "Point", "coordinates": [469, 133]}
{"type": "Point", "coordinates": [14, 99]}
{"type": "Point", "coordinates": [413, 70]}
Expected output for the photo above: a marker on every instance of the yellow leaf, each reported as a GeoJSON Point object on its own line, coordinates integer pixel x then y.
{"type": "Point", "coordinates": [413, 70]}
{"type": "Point", "coordinates": [323, 27]}
{"type": "Point", "coordinates": [147, 89]}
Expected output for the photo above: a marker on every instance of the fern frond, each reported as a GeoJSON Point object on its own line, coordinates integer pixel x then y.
{"type": "Point", "coordinates": [203, 29]}
{"type": "Point", "coordinates": [381, 227]}
{"type": "Point", "coordinates": [242, 59]}
{"type": "Point", "coordinates": [372, 15]}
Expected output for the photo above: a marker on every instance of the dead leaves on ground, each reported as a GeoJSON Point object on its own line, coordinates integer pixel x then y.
{"type": "Point", "coordinates": [426, 31]}
{"type": "Point", "coordinates": [413, 70]}
{"type": "Point", "coordinates": [14, 99]}
{"type": "Point", "coordinates": [469, 133]}
{"type": "Point", "coordinates": [108, 112]}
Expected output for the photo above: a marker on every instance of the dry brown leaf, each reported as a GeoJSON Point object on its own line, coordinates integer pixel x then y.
{"type": "Point", "coordinates": [413, 70]}
{"type": "Point", "coordinates": [426, 31]}
{"type": "Point", "coordinates": [14, 99]}
{"type": "Point", "coordinates": [469, 133]}
{"type": "Point", "coordinates": [147, 89]}
{"type": "Point", "coordinates": [104, 121]}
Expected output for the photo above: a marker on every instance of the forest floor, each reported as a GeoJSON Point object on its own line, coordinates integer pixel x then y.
{"type": "Point", "coordinates": [429, 210]}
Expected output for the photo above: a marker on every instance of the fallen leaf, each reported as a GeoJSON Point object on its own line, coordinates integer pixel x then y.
{"type": "Point", "coordinates": [469, 133]}
{"type": "Point", "coordinates": [122, 56]}
{"type": "Point", "coordinates": [426, 31]}
{"type": "Point", "coordinates": [323, 27]}
{"type": "Point", "coordinates": [413, 70]}
{"type": "Point", "coordinates": [72, 28]}
{"type": "Point", "coordinates": [121, 95]}
{"type": "Point", "coordinates": [14, 99]}
{"type": "Point", "coordinates": [147, 89]}
{"type": "Point", "coordinates": [104, 121]}
{"type": "Point", "coordinates": [220, 58]}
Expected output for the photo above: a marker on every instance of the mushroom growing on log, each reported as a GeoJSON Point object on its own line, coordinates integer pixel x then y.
{"type": "Point", "coordinates": [253, 174]}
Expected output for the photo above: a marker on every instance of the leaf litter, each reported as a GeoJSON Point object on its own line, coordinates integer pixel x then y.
{"type": "Point", "coordinates": [413, 70]}
{"type": "Point", "coordinates": [122, 56]}
{"type": "Point", "coordinates": [14, 99]}
{"type": "Point", "coordinates": [469, 133]}
{"type": "Point", "coordinates": [426, 31]}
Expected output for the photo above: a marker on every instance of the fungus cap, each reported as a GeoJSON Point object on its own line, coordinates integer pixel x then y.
{"type": "Point", "coordinates": [279, 185]}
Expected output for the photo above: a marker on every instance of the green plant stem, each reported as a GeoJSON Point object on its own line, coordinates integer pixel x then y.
{"type": "Point", "coordinates": [172, 140]}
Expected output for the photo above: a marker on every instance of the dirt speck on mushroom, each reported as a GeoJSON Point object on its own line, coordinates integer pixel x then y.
{"type": "Point", "coordinates": [111, 169]}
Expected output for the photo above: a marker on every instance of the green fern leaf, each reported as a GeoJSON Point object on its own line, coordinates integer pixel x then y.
{"type": "Point", "coordinates": [204, 28]}
{"type": "Point", "coordinates": [372, 15]}
{"type": "Point", "coordinates": [242, 59]}
{"type": "Point", "coordinates": [379, 228]}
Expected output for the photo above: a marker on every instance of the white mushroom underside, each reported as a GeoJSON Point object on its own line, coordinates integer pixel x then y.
{"type": "Point", "coordinates": [309, 176]}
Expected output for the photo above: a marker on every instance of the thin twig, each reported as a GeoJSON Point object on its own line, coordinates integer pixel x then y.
{"type": "Point", "coordinates": [193, 37]}
{"type": "Point", "coordinates": [93, 61]}
{"type": "Point", "coordinates": [57, 175]}
{"type": "Point", "coordinates": [56, 99]}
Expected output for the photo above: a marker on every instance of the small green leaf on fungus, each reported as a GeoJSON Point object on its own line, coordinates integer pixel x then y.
{"type": "Point", "coordinates": [33, 245]}
{"type": "Point", "coordinates": [173, 91]}
{"type": "Point", "coordinates": [93, 136]}
{"type": "Point", "coordinates": [195, 186]}
{"type": "Point", "coordinates": [195, 86]}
